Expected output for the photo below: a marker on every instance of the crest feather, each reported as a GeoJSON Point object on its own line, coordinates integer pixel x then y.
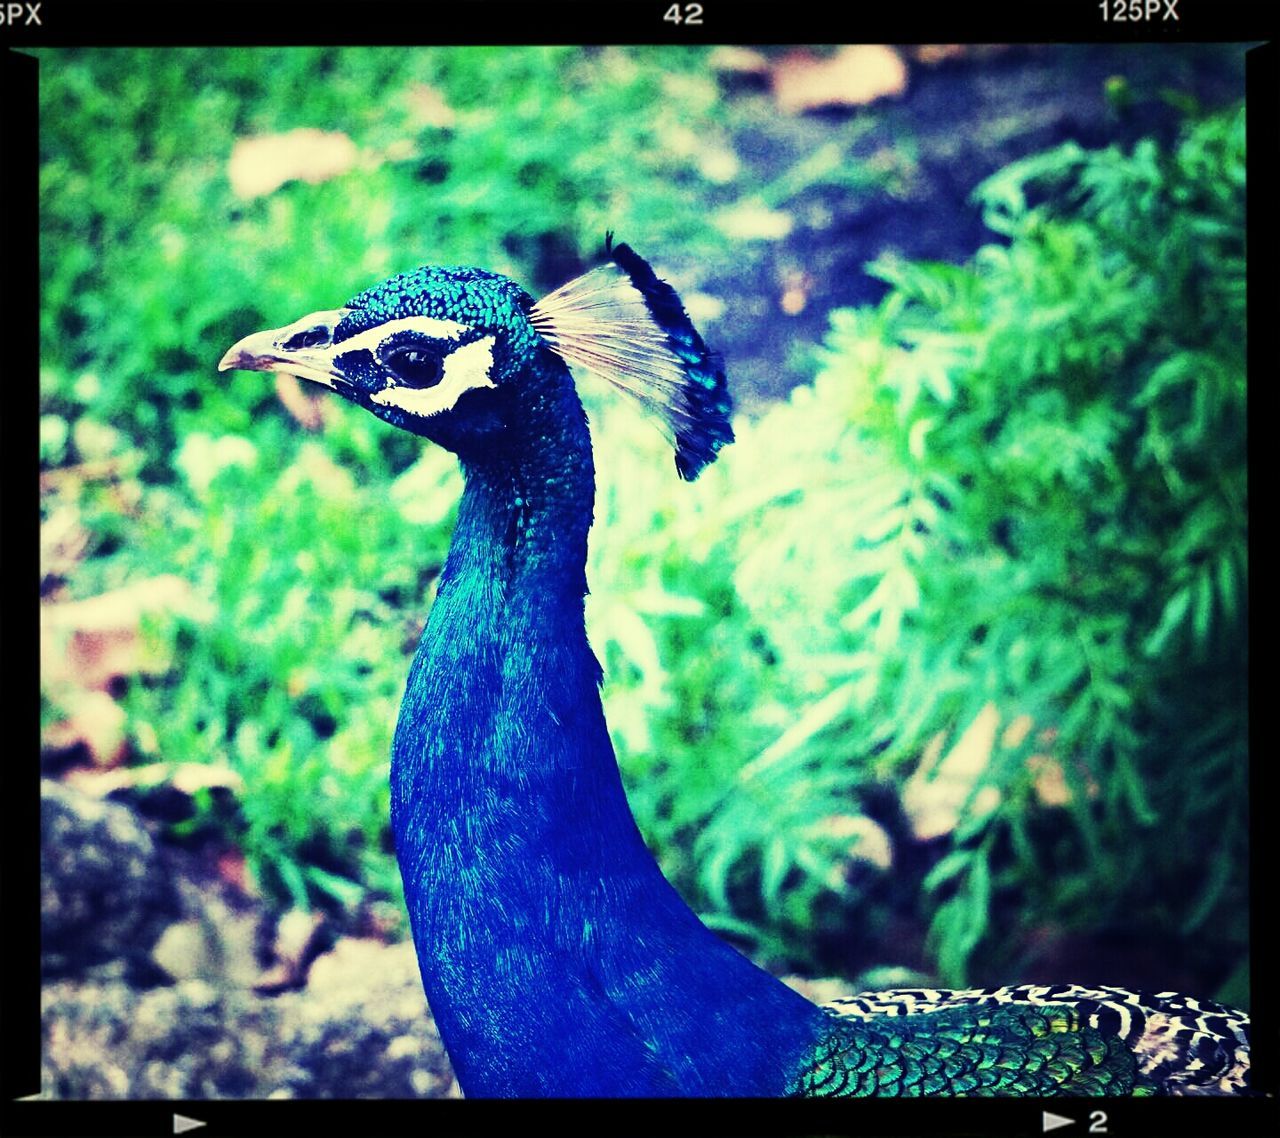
{"type": "Point", "coordinates": [630, 328]}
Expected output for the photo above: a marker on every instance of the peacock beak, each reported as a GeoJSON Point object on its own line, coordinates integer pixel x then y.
{"type": "Point", "coordinates": [304, 348]}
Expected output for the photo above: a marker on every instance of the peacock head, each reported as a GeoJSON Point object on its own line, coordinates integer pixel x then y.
{"type": "Point", "coordinates": [451, 353]}
{"type": "Point", "coordinates": [436, 351]}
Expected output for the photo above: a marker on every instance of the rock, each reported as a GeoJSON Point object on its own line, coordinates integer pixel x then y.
{"type": "Point", "coordinates": [151, 961]}
{"type": "Point", "coordinates": [105, 1040]}
{"type": "Point", "coordinates": [105, 893]}
{"type": "Point", "coordinates": [361, 1029]}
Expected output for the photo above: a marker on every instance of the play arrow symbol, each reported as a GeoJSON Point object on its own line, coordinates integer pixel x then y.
{"type": "Point", "coordinates": [1054, 1121]}
{"type": "Point", "coordinates": [181, 1124]}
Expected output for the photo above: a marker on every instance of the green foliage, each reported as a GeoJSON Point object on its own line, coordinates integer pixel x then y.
{"type": "Point", "coordinates": [287, 681]}
{"type": "Point", "coordinates": [1018, 484]}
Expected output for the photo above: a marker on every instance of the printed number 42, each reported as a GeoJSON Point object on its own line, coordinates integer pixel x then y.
{"type": "Point", "coordinates": [683, 14]}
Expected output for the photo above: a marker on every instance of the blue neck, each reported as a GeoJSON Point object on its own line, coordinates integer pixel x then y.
{"type": "Point", "coordinates": [556, 957]}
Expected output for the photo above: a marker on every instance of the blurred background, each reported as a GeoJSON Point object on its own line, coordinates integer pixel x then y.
{"type": "Point", "coordinates": [937, 676]}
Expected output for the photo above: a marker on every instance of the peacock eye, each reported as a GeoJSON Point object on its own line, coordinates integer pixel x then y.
{"type": "Point", "coordinates": [415, 367]}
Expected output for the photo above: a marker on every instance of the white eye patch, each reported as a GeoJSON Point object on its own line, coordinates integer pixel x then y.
{"type": "Point", "coordinates": [371, 338]}
{"type": "Point", "coordinates": [465, 368]}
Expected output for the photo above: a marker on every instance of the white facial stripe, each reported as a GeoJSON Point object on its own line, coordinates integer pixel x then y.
{"type": "Point", "coordinates": [370, 338]}
{"type": "Point", "coordinates": [465, 369]}
{"type": "Point", "coordinates": [328, 318]}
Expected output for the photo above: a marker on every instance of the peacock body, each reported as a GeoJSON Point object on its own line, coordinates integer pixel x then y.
{"type": "Point", "coordinates": [557, 959]}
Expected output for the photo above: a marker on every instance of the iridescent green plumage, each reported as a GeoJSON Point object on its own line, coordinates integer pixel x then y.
{"type": "Point", "coordinates": [1029, 1040]}
{"type": "Point", "coordinates": [989, 1049]}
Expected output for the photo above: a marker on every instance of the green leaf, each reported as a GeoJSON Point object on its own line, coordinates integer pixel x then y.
{"type": "Point", "coordinates": [956, 862]}
{"type": "Point", "coordinates": [1175, 611]}
{"type": "Point", "coordinates": [1202, 614]}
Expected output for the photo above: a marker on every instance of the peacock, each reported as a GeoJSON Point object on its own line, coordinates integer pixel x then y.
{"type": "Point", "coordinates": [556, 958]}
